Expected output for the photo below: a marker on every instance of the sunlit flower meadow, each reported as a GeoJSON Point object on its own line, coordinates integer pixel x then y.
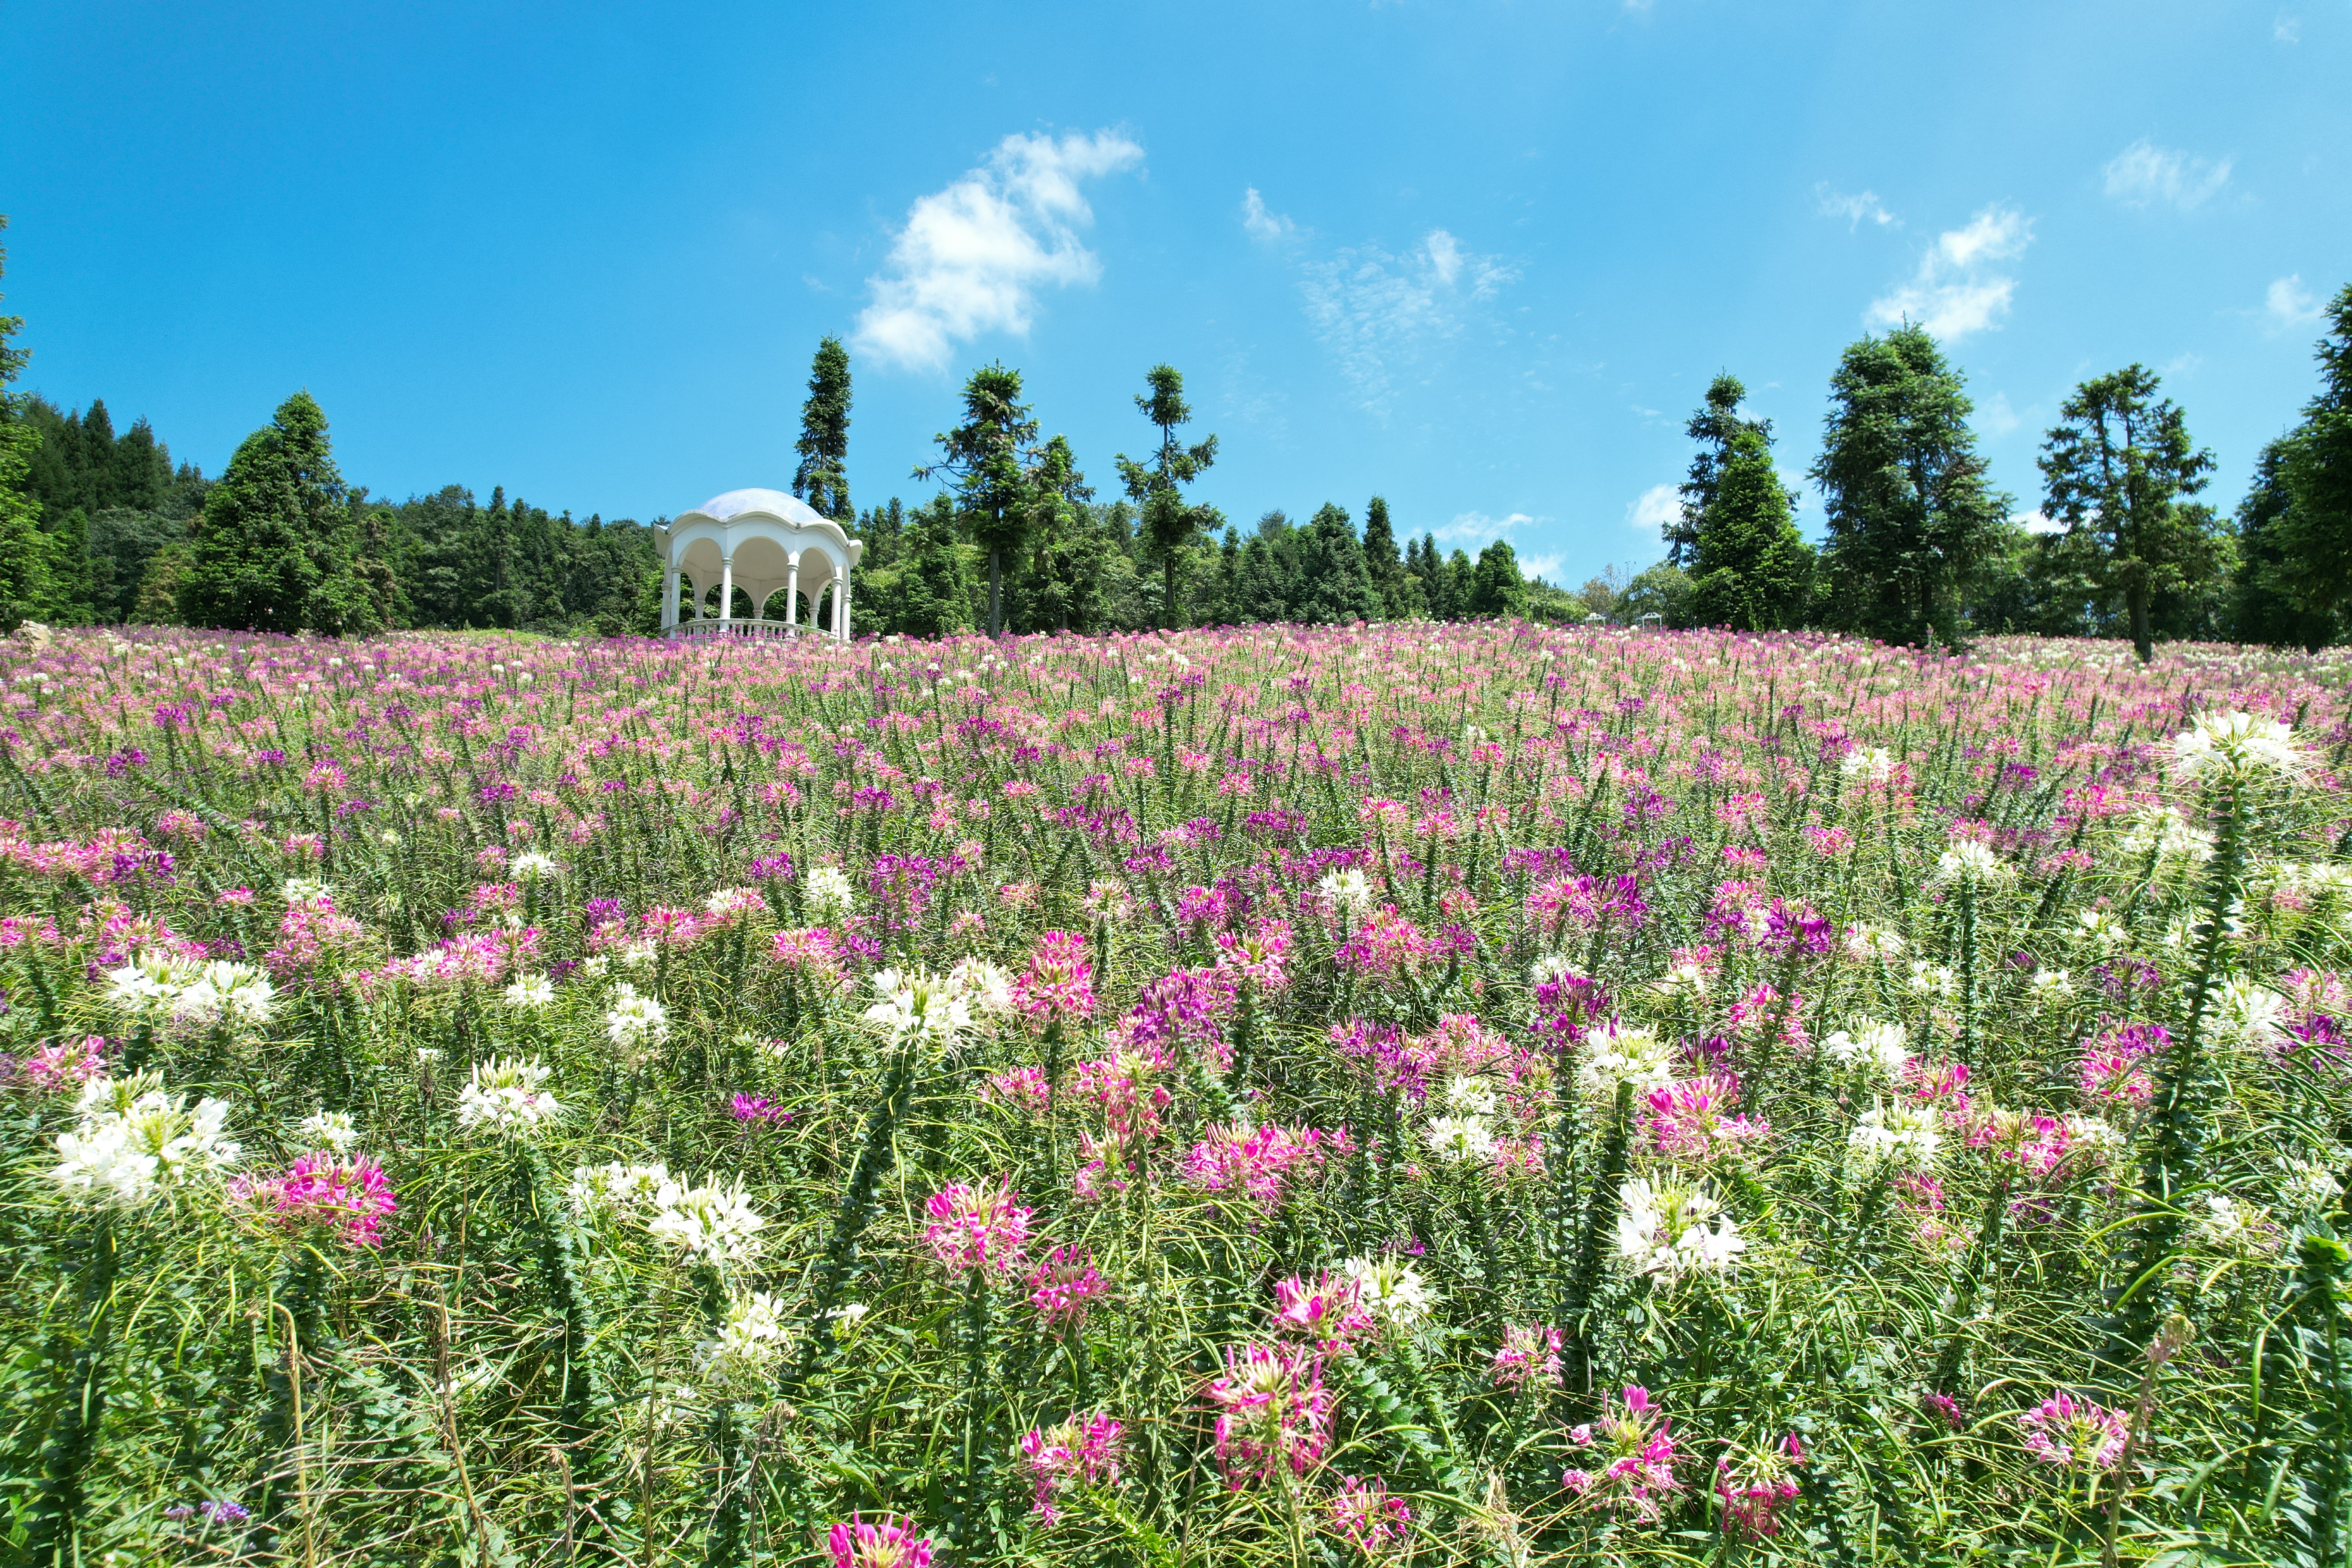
{"type": "Point", "coordinates": [1409, 1094]}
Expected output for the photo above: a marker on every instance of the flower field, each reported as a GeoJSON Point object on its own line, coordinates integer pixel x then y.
{"type": "Point", "coordinates": [1469, 1094]}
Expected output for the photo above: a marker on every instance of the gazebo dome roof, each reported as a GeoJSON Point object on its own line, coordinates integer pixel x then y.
{"type": "Point", "coordinates": [775, 503]}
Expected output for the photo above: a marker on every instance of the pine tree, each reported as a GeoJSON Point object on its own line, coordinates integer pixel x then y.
{"type": "Point", "coordinates": [934, 592]}
{"type": "Point", "coordinates": [1157, 486]}
{"type": "Point", "coordinates": [2266, 601]}
{"type": "Point", "coordinates": [2117, 468]}
{"type": "Point", "coordinates": [1714, 427]}
{"type": "Point", "coordinates": [25, 586]}
{"type": "Point", "coordinates": [1461, 586]}
{"type": "Point", "coordinates": [1333, 584]}
{"type": "Point", "coordinates": [823, 478]}
{"type": "Point", "coordinates": [1381, 563]}
{"type": "Point", "coordinates": [1060, 588]}
{"type": "Point", "coordinates": [1498, 588]}
{"type": "Point", "coordinates": [1750, 569]}
{"type": "Point", "coordinates": [272, 551]}
{"type": "Point", "coordinates": [1912, 521]}
{"type": "Point", "coordinates": [2316, 535]}
{"type": "Point", "coordinates": [988, 456]}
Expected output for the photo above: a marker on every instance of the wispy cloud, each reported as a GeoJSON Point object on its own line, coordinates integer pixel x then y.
{"type": "Point", "coordinates": [1957, 290]}
{"type": "Point", "coordinates": [1852, 209]}
{"type": "Point", "coordinates": [2287, 305]}
{"type": "Point", "coordinates": [1998, 416]}
{"type": "Point", "coordinates": [1477, 527]}
{"type": "Point", "coordinates": [2287, 29]}
{"type": "Point", "coordinates": [2145, 174]}
{"type": "Point", "coordinates": [1541, 568]}
{"type": "Point", "coordinates": [973, 258]}
{"type": "Point", "coordinates": [1655, 508]}
{"type": "Point", "coordinates": [1263, 226]}
{"type": "Point", "coordinates": [2038, 521]}
{"type": "Point", "coordinates": [1378, 312]}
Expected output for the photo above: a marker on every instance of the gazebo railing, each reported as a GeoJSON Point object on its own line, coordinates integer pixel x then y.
{"type": "Point", "coordinates": [742, 626]}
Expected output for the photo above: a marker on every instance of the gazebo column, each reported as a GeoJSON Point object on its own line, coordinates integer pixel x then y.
{"type": "Point", "coordinates": [792, 595]}
{"type": "Point", "coordinates": [669, 598]}
{"type": "Point", "coordinates": [841, 607]}
{"type": "Point", "coordinates": [727, 592]}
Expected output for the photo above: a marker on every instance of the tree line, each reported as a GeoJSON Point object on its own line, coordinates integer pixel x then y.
{"type": "Point", "coordinates": [1921, 547]}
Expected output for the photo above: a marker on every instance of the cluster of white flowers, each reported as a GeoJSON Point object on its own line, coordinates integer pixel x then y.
{"type": "Point", "coordinates": [2159, 828]}
{"type": "Point", "coordinates": [2308, 1185]}
{"type": "Point", "coordinates": [332, 1131]}
{"type": "Point", "coordinates": [1391, 1290]}
{"type": "Point", "coordinates": [158, 988]}
{"type": "Point", "coordinates": [505, 1097]}
{"type": "Point", "coordinates": [1667, 1229]}
{"type": "Point", "coordinates": [1614, 1054]}
{"type": "Point", "coordinates": [1971, 862]}
{"type": "Point", "coordinates": [2103, 929]}
{"type": "Point", "coordinates": [1881, 1048]}
{"type": "Point", "coordinates": [1864, 943]}
{"type": "Point", "coordinates": [1685, 980]}
{"type": "Point", "coordinates": [2249, 1012]}
{"type": "Point", "coordinates": [1347, 890]}
{"type": "Point", "coordinates": [826, 893]}
{"type": "Point", "coordinates": [750, 1341]}
{"type": "Point", "coordinates": [615, 1188]}
{"type": "Point", "coordinates": [1459, 1140]}
{"type": "Point", "coordinates": [708, 1224]}
{"type": "Point", "coordinates": [986, 987]}
{"type": "Point", "coordinates": [306, 891]}
{"type": "Point", "coordinates": [530, 992]}
{"type": "Point", "coordinates": [633, 1022]}
{"type": "Point", "coordinates": [131, 1140]}
{"type": "Point", "coordinates": [733, 903]}
{"type": "Point", "coordinates": [1873, 763]}
{"type": "Point", "coordinates": [1901, 1136]}
{"type": "Point", "coordinates": [2049, 987]}
{"type": "Point", "coordinates": [1939, 982]}
{"type": "Point", "coordinates": [2233, 744]}
{"type": "Point", "coordinates": [918, 1002]}
{"type": "Point", "coordinates": [2229, 1226]}
{"type": "Point", "coordinates": [535, 865]}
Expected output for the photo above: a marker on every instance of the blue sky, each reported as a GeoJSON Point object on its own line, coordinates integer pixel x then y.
{"type": "Point", "coordinates": [1482, 258]}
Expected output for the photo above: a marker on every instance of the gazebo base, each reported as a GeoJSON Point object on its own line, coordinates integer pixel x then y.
{"type": "Point", "coordinates": [742, 629]}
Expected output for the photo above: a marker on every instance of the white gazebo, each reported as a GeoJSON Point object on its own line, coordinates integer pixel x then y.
{"type": "Point", "coordinates": [763, 541]}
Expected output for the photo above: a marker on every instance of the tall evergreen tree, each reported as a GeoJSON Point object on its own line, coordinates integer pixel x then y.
{"type": "Point", "coordinates": [1750, 569]}
{"type": "Point", "coordinates": [1060, 588]}
{"type": "Point", "coordinates": [823, 478]}
{"type": "Point", "coordinates": [1714, 427]}
{"type": "Point", "coordinates": [988, 456]}
{"type": "Point", "coordinates": [934, 592]}
{"type": "Point", "coordinates": [1157, 486]}
{"type": "Point", "coordinates": [1381, 563]}
{"type": "Point", "coordinates": [1461, 586]}
{"type": "Point", "coordinates": [270, 550]}
{"type": "Point", "coordinates": [1911, 519]}
{"type": "Point", "coordinates": [24, 552]}
{"type": "Point", "coordinates": [1498, 588]}
{"type": "Point", "coordinates": [2316, 535]}
{"type": "Point", "coordinates": [1333, 584]}
{"type": "Point", "coordinates": [2117, 466]}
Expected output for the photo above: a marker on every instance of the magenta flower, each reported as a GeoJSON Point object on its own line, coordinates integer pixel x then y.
{"type": "Point", "coordinates": [1078, 1452]}
{"type": "Point", "coordinates": [1634, 1450]}
{"type": "Point", "coordinates": [757, 1107]}
{"type": "Point", "coordinates": [1529, 1358]}
{"type": "Point", "coordinates": [1756, 1489]}
{"type": "Point", "coordinates": [1261, 1162]}
{"type": "Point", "coordinates": [977, 1228]}
{"type": "Point", "coordinates": [1271, 1410]}
{"type": "Point", "coordinates": [1362, 1514]}
{"type": "Point", "coordinates": [888, 1544]}
{"type": "Point", "coordinates": [1328, 1311]}
{"type": "Point", "coordinates": [1059, 983]}
{"type": "Point", "coordinates": [1065, 1287]}
{"type": "Point", "coordinates": [2073, 1433]}
{"type": "Point", "coordinates": [348, 1196]}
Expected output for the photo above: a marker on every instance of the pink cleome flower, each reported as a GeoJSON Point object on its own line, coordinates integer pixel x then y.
{"type": "Point", "coordinates": [890, 1543]}
{"type": "Point", "coordinates": [1328, 1310]}
{"type": "Point", "coordinates": [1635, 1450]}
{"type": "Point", "coordinates": [1363, 1515]}
{"type": "Point", "coordinates": [2073, 1433]}
{"type": "Point", "coordinates": [1271, 1410]}
{"type": "Point", "coordinates": [1058, 985]}
{"type": "Point", "coordinates": [349, 1197]}
{"type": "Point", "coordinates": [1756, 1489]}
{"type": "Point", "coordinates": [1262, 1162]}
{"type": "Point", "coordinates": [1081, 1451]}
{"type": "Point", "coordinates": [1529, 1358]}
{"type": "Point", "coordinates": [977, 1227]}
{"type": "Point", "coordinates": [1065, 1287]}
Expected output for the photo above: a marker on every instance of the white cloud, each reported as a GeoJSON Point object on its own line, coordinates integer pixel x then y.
{"type": "Point", "coordinates": [2289, 304]}
{"type": "Point", "coordinates": [1261, 224]}
{"type": "Point", "coordinates": [1956, 291]}
{"type": "Point", "coordinates": [972, 257]}
{"type": "Point", "coordinates": [1852, 209]}
{"type": "Point", "coordinates": [1540, 568]}
{"type": "Point", "coordinates": [1377, 313]}
{"type": "Point", "coordinates": [2038, 521]}
{"type": "Point", "coordinates": [2145, 174]}
{"type": "Point", "coordinates": [2287, 29]}
{"type": "Point", "coordinates": [1658, 507]}
{"type": "Point", "coordinates": [1999, 417]}
{"type": "Point", "coordinates": [1476, 527]}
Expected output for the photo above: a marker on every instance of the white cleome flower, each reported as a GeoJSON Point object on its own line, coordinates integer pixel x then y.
{"type": "Point", "coordinates": [306, 891]}
{"type": "Point", "coordinates": [332, 1131]}
{"type": "Point", "coordinates": [2157, 828]}
{"type": "Point", "coordinates": [1939, 981]}
{"type": "Point", "coordinates": [615, 1187]}
{"type": "Point", "coordinates": [986, 988]}
{"type": "Point", "coordinates": [1969, 861]}
{"type": "Point", "coordinates": [1873, 1047]}
{"type": "Point", "coordinates": [1667, 1230]}
{"type": "Point", "coordinates": [1346, 889]}
{"type": "Point", "coordinates": [2050, 986]}
{"type": "Point", "coordinates": [530, 992]}
{"type": "Point", "coordinates": [1614, 1054]}
{"type": "Point", "coordinates": [2308, 1185]}
{"type": "Point", "coordinates": [535, 865]}
{"type": "Point", "coordinates": [2229, 1226]}
{"type": "Point", "coordinates": [633, 1021]}
{"type": "Point", "coordinates": [1467, 1096]}
{"type": "Point", "coordinates": [1865, 942]}
{"type": "Point", "coordinates": [710, 1224]}
{"type": "Point", "coordinates": [2222, 745]}
{"type": "Point", "coordinates": [2248, 1012]}
{"type": "Point", "coordinates": [1901, 1136]}
{"type": "Point", "coordinates": [920, 1004]}
{"type": "Point", "coordinates": [750, 1341]}
{"type": "Point", "coordinates": [1872, 763]}
{"type": "Point", "coordinates": [132, 1139]}
{"type": "Point", "coordinates": [827, 894]}
{"type": "Point", "coordinates": [505, 1097]}
{"type": "Point", "coordinates": [1459, 1140]}
{"type": "Point", "coordinates": [144, 988]}
{"type": "Point", "coordinates": [225, 994]}
{"type": "Point", "coordinates": [1391, 1290]}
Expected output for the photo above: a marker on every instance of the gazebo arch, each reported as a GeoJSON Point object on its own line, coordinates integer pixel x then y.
{"type": "Point", "coordinates": [764, 542]}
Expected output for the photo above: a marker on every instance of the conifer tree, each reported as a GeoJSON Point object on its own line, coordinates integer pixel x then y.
{"type": "Point", "coordinates": [1718, 422]}
{"type": "Point", "coordinates": [1333, 584]}
{"type": "Point", "coordinates": [823, 478]}
{"type": "Point", "coordinates": [1157, 486]}
{"type": "Point", "coordinates": [25, 586]}
{"type": "Point", "coordinates": [1061, 587]}
{"type": "Point", "coordinates": [934, 594]}
{"type": "Point", "coordinates": [988, 456]}
{"type": "Point", "coordinates": [270, 550]}
{"type": "Point", "coordinates": [2316, 469]}
{"type": "Point", "coordinates": [1497, 588]}
{"type": "Point", "coordinates": [1381, 563]}
{"type": "Point", "coordinates": [1750, 568]}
